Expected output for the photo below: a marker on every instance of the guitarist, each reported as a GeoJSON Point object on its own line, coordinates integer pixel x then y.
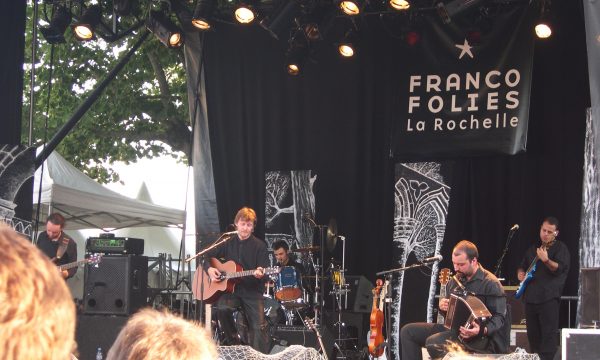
{"type": "Point", "coordinates": [249, 252]}
{"type": "Point", "coordinates": [490, 337]}
{"type": "Point", "coordinates": [57, 245]}
{"type": "Point", "coordinates": [543, 290]}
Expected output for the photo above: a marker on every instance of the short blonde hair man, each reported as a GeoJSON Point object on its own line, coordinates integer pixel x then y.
{"type": "Point", "coordinates": [37, 314]}
{"type": "Point", "coordinates": [160, 335]}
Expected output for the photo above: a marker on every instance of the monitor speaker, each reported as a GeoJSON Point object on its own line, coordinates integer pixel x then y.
{"type": "Point", "coordinates": [117, 285]}
{"type": "Point", "coordinates": [590, 296]}
{"type": "Point", "coordinates": [297, 335]}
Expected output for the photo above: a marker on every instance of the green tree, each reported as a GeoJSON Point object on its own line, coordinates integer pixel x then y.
{"type": "Point", "coordinates": [142, 113]}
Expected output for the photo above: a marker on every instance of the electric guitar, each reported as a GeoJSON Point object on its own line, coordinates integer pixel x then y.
{"type": "Point", "coordinates": [443, 278]}
{"type": "Point", "coordinates": [230, 275]}
{"type": "Point", "coordinates": [311, 325]}
{"type": "Point", "coordinates": [92, 260]}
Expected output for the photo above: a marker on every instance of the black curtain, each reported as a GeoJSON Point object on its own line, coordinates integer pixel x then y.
{"type": "Point", "coordinates": [11, 69]}
{"type": "Point", "coordinates": [337, 119]}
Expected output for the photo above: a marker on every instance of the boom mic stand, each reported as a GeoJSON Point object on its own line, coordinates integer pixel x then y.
{"type": "Point", "coordinates": [220, 241]}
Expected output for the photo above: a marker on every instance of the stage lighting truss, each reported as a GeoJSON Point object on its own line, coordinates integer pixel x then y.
{"type": "Point", "coordinates": [164, 29]}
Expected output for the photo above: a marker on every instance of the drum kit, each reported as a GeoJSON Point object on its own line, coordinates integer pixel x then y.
{"type": "Point", "coordinates": [292, 294]}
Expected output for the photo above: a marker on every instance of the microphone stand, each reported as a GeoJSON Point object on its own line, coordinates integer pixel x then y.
{"type": "Point", "coordinates": [319, 303]}
{"type": "Point", "coordinates": [220, 241]}
{"type": "Point", "coordinates": [385, 272]}
{"type": "Point", "coordinates": [511, 233]}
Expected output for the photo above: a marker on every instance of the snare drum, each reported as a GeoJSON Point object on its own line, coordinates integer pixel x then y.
{"type": "Point", "coordinates": [287, 287]}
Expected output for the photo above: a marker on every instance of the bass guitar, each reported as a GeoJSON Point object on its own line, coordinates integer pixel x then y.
{"type": "Point", "coordinates": [443, 278]}
{"type": "Point", "coordinates": [529, 274]}
{"type": "Point", "coordinates": [230, 275]}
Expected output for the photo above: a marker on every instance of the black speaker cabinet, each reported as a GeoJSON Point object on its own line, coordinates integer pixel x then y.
{"type": "Point", "coordinates": [97, 331]}
{"type": "Point", "coordinates": [117, 285]}
{"type": "Point", "coordinates": [590, 296]}
{"type": "Point", "coordinates": [517, 308]}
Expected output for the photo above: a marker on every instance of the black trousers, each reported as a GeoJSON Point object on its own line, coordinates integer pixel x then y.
{"type": "Point", "coordinates": [414, 336]}
{"type": "Point", "coordinates": [253, 307]}
{"type": "Point", "coordinates": [542, 328]}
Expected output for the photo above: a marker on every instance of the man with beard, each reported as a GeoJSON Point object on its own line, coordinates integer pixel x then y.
{"type": "Point", "coordinates": [470, 278]}
{"type": "Point", "coordinates": [57, 245]}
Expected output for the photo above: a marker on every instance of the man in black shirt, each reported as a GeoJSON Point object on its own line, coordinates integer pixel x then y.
{"type": "Point", "coordinates": [250, 253]}
{"type": "Point", "coordinates": [493, 334]}
{"type": "Point", "coordinates": [57, 245]}
{"type": "Point", "coordinates": [542, 292]}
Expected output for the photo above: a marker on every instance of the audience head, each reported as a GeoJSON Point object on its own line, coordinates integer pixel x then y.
{"type": "Point", "coordinates": [156, 335]}
{"type": "Point", "coordinates": [37, 313]}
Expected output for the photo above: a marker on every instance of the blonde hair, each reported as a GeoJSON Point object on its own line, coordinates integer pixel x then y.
{"type": "Point", "coordinates": [160, 335]}
{"type": "Point", "coordinates": [245, 214]}
{"type": "Point", "coordinates": [37, 314]}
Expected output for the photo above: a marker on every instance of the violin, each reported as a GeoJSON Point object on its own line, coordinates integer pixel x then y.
{"type": "Point", "coordinates": [376, 339]}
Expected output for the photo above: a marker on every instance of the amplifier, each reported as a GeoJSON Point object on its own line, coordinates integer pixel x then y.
{"type": "Point", "coordinates": [115, 245]}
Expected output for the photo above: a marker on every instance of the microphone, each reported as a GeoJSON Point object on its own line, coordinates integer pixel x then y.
{"type": "Point", "coordinates": [229, 233]}
{"type": "Point", "coordinates": [460, 285]}
{"type": "Point", "coordinates": [432, 259]}
{"type": "Point", "coordinates": [515, 227]}
{"type": "Point", "coordinates": [306, 216]}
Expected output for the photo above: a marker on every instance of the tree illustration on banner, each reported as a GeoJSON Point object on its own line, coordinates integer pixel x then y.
{"type": "Point", "coordinates": [421, 207]}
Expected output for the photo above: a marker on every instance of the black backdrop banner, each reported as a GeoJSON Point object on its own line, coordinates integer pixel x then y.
{"type": "Point", "coordinates": [467, 90]}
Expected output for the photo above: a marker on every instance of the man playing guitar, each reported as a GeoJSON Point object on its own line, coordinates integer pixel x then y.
{"type": "Point", "coordinates": [57, 245]}
{"type": "Point", "coordinates": [542, 286]}
{"type": "Point", "coordinates": [249, 252]}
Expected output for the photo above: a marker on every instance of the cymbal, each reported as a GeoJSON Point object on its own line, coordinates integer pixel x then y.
{"type": "Point", "coordinates": [307, 249]}
{"type": "Point", "coordinates": [332, 234]}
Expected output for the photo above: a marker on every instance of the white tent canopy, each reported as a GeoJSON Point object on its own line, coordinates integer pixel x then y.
{"type": "Point", "coordinates": [87, 204]}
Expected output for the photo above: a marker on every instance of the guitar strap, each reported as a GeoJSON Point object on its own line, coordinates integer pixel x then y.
{"type": "Point", "coordinates": [62, 247]}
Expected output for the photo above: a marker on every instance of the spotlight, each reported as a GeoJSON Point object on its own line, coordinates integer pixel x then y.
{"type": "Point", "coordinates": [165, 30]}
{"type": "Point", "coordinates": [281, 19]}
{"type": "Point", "coordinates": [453, 8]}
{"type": "Point", "coordinates": [55, 32]}
{"type": "Point", "coordinates": [347, 47]}
{"type": "Point", "coordinates": [399, 4]}
{"type": "Point", "coordinates": [543, 30]}
{"type": "Point", "coordinates": [351, 7]}
{"type": "Point", "coordinates": [203, 14]}
{"type": "Point", "coordinates": [85, 27]}
{"type": "Point", "coordinates": [244, 14]}
{"type": "Point", "coordinates": [543, 27]}
{"type": "Point", "coordinates": [295, 58]}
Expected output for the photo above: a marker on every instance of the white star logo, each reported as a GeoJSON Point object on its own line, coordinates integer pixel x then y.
{"type": "Point", "coordinates": [465, 49]}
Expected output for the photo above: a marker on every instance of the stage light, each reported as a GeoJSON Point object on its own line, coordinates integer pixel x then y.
{"type": "Point", "coordinates": [454, 8]}
{"type": "Point", "coordinates": [244, 14]}
{"type": "Point", "coordinates": [351, 7]}
{"type": "Point", "coordinates": [400, 4]}
{"type": "Point", "coordinates": [164, 29]}
{"type": "Point", "coordinates": [347, 46]}
{"type": "Point", "coordinates": [279, 22]}
{"type": "Point", "coordinates": [85, 27]}
{"type": "Point", "coordinates": [202, 18]}
{"type": "Point", "coordinates": [55, 32]}
{"type": "Point", "coordinates": [295, 58]}
{"type": "Point", "coordinates": [543, 30]}
{"type": "Point", "coordinates": [543, 27]}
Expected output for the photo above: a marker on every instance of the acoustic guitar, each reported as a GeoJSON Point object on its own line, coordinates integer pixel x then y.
{"type": "Point", "coordinates": [231, 273]}
{"type": "Point", "coordinates": [443, 278]}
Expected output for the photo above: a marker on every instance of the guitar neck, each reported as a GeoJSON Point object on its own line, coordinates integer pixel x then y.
{"type": "Point", "coordinates": [239, 274]}
{"type": "Point", "coordinates": [71, 265]}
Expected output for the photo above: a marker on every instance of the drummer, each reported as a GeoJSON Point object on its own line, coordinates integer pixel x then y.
{"type": "Point", "coordinates": [281, 250]}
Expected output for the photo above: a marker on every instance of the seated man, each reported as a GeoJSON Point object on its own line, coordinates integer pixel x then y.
{"type": "Point", "coordinates": [472, 278]}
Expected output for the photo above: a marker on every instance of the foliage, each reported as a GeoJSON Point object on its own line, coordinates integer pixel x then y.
{"type": "Point", "coordinates": [142, 113]}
